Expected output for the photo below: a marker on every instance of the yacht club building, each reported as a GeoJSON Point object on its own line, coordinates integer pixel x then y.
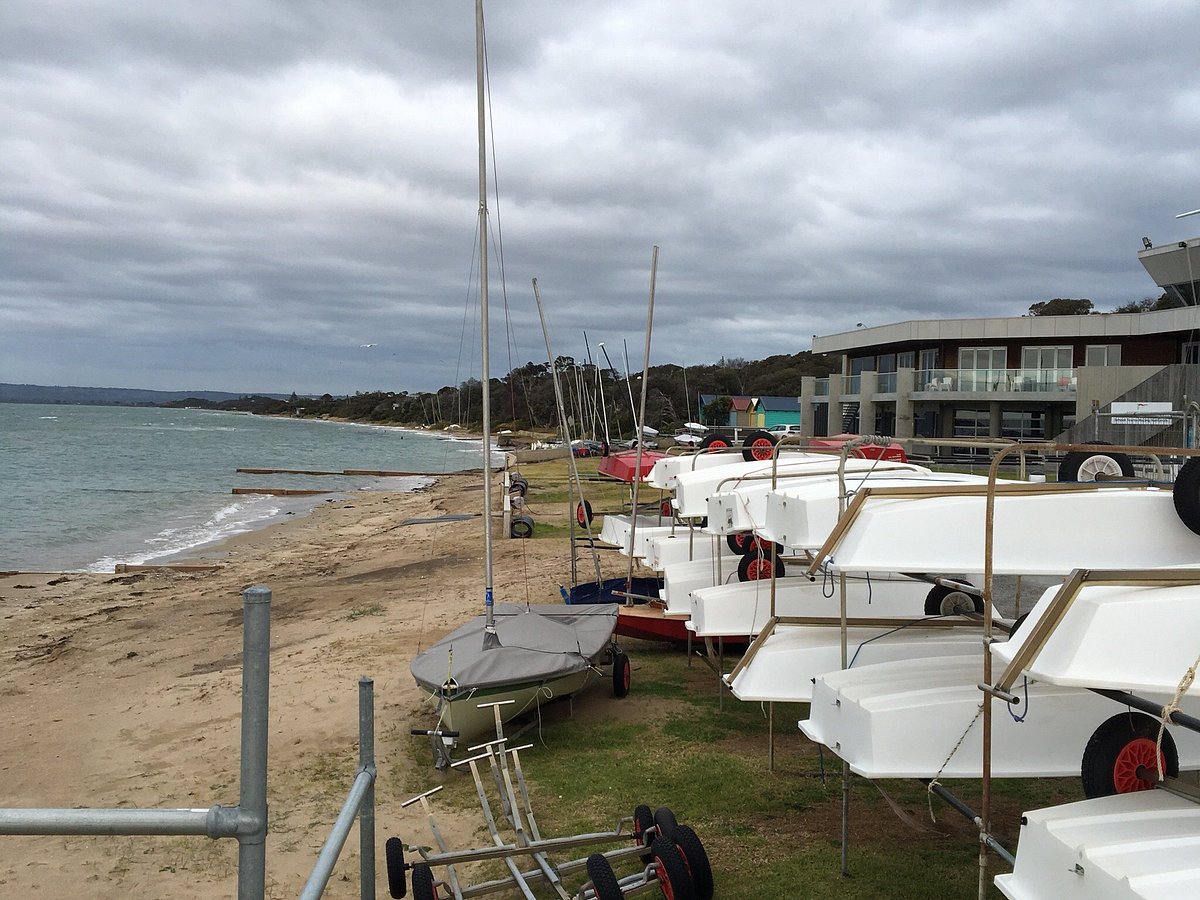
{"type": "Point", "coordinates": [1022, 377]}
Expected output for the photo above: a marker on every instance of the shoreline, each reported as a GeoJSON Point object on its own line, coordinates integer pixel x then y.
{"type": "Point", "coordinates": [125, 689]}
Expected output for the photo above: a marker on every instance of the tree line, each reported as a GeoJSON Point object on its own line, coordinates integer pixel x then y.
{"type": "Point", "coordinates": [597, 400]}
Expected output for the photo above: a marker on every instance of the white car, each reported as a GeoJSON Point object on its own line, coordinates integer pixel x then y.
{"type": "Point", "coordinates": [781, 430]}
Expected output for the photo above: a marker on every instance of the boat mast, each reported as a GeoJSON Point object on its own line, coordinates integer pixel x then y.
{"type": "Point", "coordinates": [489, 634]}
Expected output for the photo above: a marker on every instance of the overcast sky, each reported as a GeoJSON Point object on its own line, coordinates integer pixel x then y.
{"type": "Point", "coordinates": [241, 194]}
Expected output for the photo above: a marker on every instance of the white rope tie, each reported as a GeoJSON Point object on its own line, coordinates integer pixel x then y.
{"type": "Point", "coordinates": [1185, 684]}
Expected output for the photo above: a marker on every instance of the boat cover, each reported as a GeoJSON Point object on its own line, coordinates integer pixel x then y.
{"type": "Point", "coordinates": [622, 465]}
{"type": "Point", "coordinates": [537, 643]}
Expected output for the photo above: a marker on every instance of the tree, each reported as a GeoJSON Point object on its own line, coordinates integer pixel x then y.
{"type": "Point", "coordinates": [1150, 304]}
{"type": "Point", "coordinates": [1061, 306]}
{"type": "Point", "coordinates": [716, 411]}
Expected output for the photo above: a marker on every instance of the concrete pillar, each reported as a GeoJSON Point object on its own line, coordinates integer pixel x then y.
{"type": "Point", "coordinates": [906, 380]}
{"type": "Point", "coordinates": [808, 390]}
{"type": "Point", "coordinates": [868, 382]}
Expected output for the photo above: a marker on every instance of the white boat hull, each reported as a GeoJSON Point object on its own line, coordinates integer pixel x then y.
{"type": "Point", "coordinates": [682, 546]}
{"type": "Point", "coordinates": [681, 578]}
{"type": "Point", "coordinates": [1139, 846]}
{"type": "Point", "coordinates": [903, 719]}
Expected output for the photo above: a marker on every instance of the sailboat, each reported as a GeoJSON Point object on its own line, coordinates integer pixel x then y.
{"type": "Point", "coordinates": [514, 657]}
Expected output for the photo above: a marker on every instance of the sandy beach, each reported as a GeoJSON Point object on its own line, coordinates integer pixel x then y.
{"type": "Point", "coordinates": [124, 690]}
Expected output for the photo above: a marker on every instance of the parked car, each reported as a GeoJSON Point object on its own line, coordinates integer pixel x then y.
{"type": "Point", "coordinates": [781, 430]}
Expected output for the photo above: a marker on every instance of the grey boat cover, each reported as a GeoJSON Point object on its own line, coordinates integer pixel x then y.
{"type": "Point", "coordinates": [537, 643]}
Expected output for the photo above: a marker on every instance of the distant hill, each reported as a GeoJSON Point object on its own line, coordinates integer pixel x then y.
{"type": "Point", "coordinates": [96, 396]}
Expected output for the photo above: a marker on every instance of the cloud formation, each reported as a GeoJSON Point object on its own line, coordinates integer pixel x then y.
{"type": "Point", "coordinates": [238, 196]}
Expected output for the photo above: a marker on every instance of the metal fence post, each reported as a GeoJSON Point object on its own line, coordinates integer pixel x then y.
{"type": "Point", "coordinates": [252, 804]}
{"type": "Point", "coordinates": [366, 763]}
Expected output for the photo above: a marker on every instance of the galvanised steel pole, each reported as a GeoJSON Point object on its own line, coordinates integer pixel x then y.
{"type": "Point", "coordinates": [252, 803]}
{"type": "Point", "coordinates": [366, 763]}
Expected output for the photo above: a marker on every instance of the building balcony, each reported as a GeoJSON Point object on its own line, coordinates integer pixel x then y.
{"type": "Point", "coordinates": [1055, 382]}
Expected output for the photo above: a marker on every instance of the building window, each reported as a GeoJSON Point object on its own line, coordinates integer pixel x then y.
{"type": "Point", "coordinates": [971, 423]}
{"type": "Point", "coordinates": [905, 360]}
{"type": "Point", "coordinates": [1191, 353]}
{"type": "Point", "coordinates": [1045, 357]}
{"type": "Point", "coordinates": [885, 418]}
{"type": "Point", "coordinates": [981, 368]}
{"type": "Point", "coordinates": [860, 364]}
{"type": "Point", "coordinates": [928, 360]}
{"type": "Point", "coordinates": [1023, 424]}
{"type": "Point", "coordinates": [1103, 355]}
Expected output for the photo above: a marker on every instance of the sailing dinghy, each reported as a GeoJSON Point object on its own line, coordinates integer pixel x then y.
{"type": "Point", "coordinates": [519, 656]}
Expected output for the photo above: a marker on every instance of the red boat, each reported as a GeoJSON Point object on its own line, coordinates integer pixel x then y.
{"type": "Point", "coordinates": [622, 465]}
{"type": "Point", "coordinates": [892, 452]}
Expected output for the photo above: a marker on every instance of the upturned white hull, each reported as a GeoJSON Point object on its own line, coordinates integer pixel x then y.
{"type": "Point", "coordinates": [904, 719]}
{"type": "Point", "coordinates": [1044, 532]}
{"type": "Point", "coordinates": [745, 607]}
{"type": "Point", "coordinates": [615, 528]}
{"type": "Point", "coordinates": [681, 578]}
{"type": "Point", "coordinates": [1139, 846]}
{"type": "Point", "coordinates": [682, 546]}
{"type": "Point", "coordinates": [786, 663]}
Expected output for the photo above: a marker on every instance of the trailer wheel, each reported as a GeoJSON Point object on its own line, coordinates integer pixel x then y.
{"type": "Point", "coordinates": [673, 878]}
{"type": "Point", "coordinates": [1120, 756]}
{"type": "Point", "coordinates": [944, 601]}
{"type": "Point", "coordinates": [1080, 465]}
{"type": "Point", "coordinates": [643, 821]}
{"type": "Point", "coordinates": [758, 446]}
{"type": "Point", "coordinates": [622, 673]}
{"type": "Point", "coordinates": [583, 513]}
{"type": "Point", "coordinates": [1017, 624]}
{"type": "Point", "coordinates": [422, 883]}
{"type": "Point", "coordinates": [1187, 494]}
{"type": "Point", "coordinates": [738, 541]}
{"type": "Point", "coordinates": [696, 859]}
{"type": "Point", "coordinates": [758, 566]}
{"type": "Point", "coordinates": [393, 852]}
{"type": "Point", "coordinates": [714, 442]}
{"type": "Point", "coordinates": [604, 881]}
{"type": "Point", "coordinates": [665, 820]}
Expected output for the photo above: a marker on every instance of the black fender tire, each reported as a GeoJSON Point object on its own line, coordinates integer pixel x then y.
{"type": "Point", "coordinates": [393, 852]}
{"type": "Point", "coordinates": [422, 883]}
{"type": "Point", "coordinates": [758, 446]}
{"type": "Point", "coordinates": [583, 513]}
{"type": "Point", "coordinates": [714, 442]}
{"type": "Point", "coordinates": [1115, 751]}
{"type": "Point", "coordinates": [1187, 494]}
{"type": "Point", "coordinates": [521, 527]}
{"type": "Point", "coordinates": [643, 821]}
{"type": "Point", "coordinates": [622, 673]}
{"type": "Point", "coordinates": [696, 857]}
{"type": "Point", "coordinates": [518, 486]}
{"type": "Point", "coordinates": [665, 820]}
{"type": "Point", "coordinates": [604, 881]}
{"type": "Point", "coordinates": [758, 566]}
{"type": "Point", "coordinates": [941, 601]}
{"type": "Point", "coordinates": [1080, 465]}
{"type": "Point", "coordinates": [738, 542]}
{"type": "Point", "coordinates": [1017, 625]}
{"type": "Point", "coordinates": [673, 878]}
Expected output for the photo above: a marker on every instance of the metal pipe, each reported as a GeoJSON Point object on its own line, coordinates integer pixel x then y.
{"type": "Point", "coordinates": [366, 812]}
{"type": "Point", "coordinates": [252, 803]}
{"type": "Point", "coordinates": [641, 416]}
{"type": "Point", "coordinates": [118, 821]}
{"type": "Point", "coordinates": [332, 848]}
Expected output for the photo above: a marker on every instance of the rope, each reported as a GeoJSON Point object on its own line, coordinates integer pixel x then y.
{"type": "Point", "coordinates": [1184, 684]}
{"type": "Point", "coordinates": [1009, 706]}
{"type": "Point", "coordinates": [934, 781]}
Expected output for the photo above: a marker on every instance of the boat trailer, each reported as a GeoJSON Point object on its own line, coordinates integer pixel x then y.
{"type": "Point", "coordinates": [669, 856]}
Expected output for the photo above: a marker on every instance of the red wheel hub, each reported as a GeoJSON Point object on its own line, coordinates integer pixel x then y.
{"type": "Point", "coordinates": [761, 448]}
{"type": "Point", "coordinates": [759, 569]}
{"type": "Point", "coordinates": [1140, 753]}
{"type": "Point", "coordinates": [664, 882]}
{"type": "Point", "coordinates": [627, 675]}
{"type": "Point", "coordinates": [717, 445]}
{"type": "Point", "coordinates": [580, 514]}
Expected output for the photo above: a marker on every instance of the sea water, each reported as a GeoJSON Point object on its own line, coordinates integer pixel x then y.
{"type": "Point", "coordinates": [86, 487]}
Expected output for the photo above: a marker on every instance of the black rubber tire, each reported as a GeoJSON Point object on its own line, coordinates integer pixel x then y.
{"type": "Point", "coordinates": [696, 857]}
{"type": "Point", "coordinates": [1187, 494]}
{"type": "Point", "coordinates": [938, 595]}
{"type": "Point", "coordinates": [393, 852]}
{"type": "Point", "coordinates": [1091, 463]}
{"type": "Point", "coordinates": [665, 820]}
{"type": "Point", "coordinates": [673, 878]}
{"type": "Point", "coordinates": [1114, 750]}
{"type": "Point", "coordinates": [583, 513]}
{"type": "Point", "coordinates": [604, 881]}
{"type": "Point", "coordinates": [643, 821]}
{"type": "Point", "coordinates": [758, 446]}
{"type": "Point", "coordinates": [422, 883]}
{"type": "Point", "coordinates": [521, 527]}
{"type": "Point", "coordinates": [714, 442]}
{"type": "Point", "coordinates": [757, 566]}
{"type": "Point", "coordinates": [622, 673]}
{"type": "Point", "coordinates": [738, 542]}
{"type": "Point", "coordinates": [518, 486]}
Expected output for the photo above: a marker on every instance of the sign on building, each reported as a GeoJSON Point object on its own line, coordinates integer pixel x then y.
{"type": "Point", "coordinates": [1148, 412]}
